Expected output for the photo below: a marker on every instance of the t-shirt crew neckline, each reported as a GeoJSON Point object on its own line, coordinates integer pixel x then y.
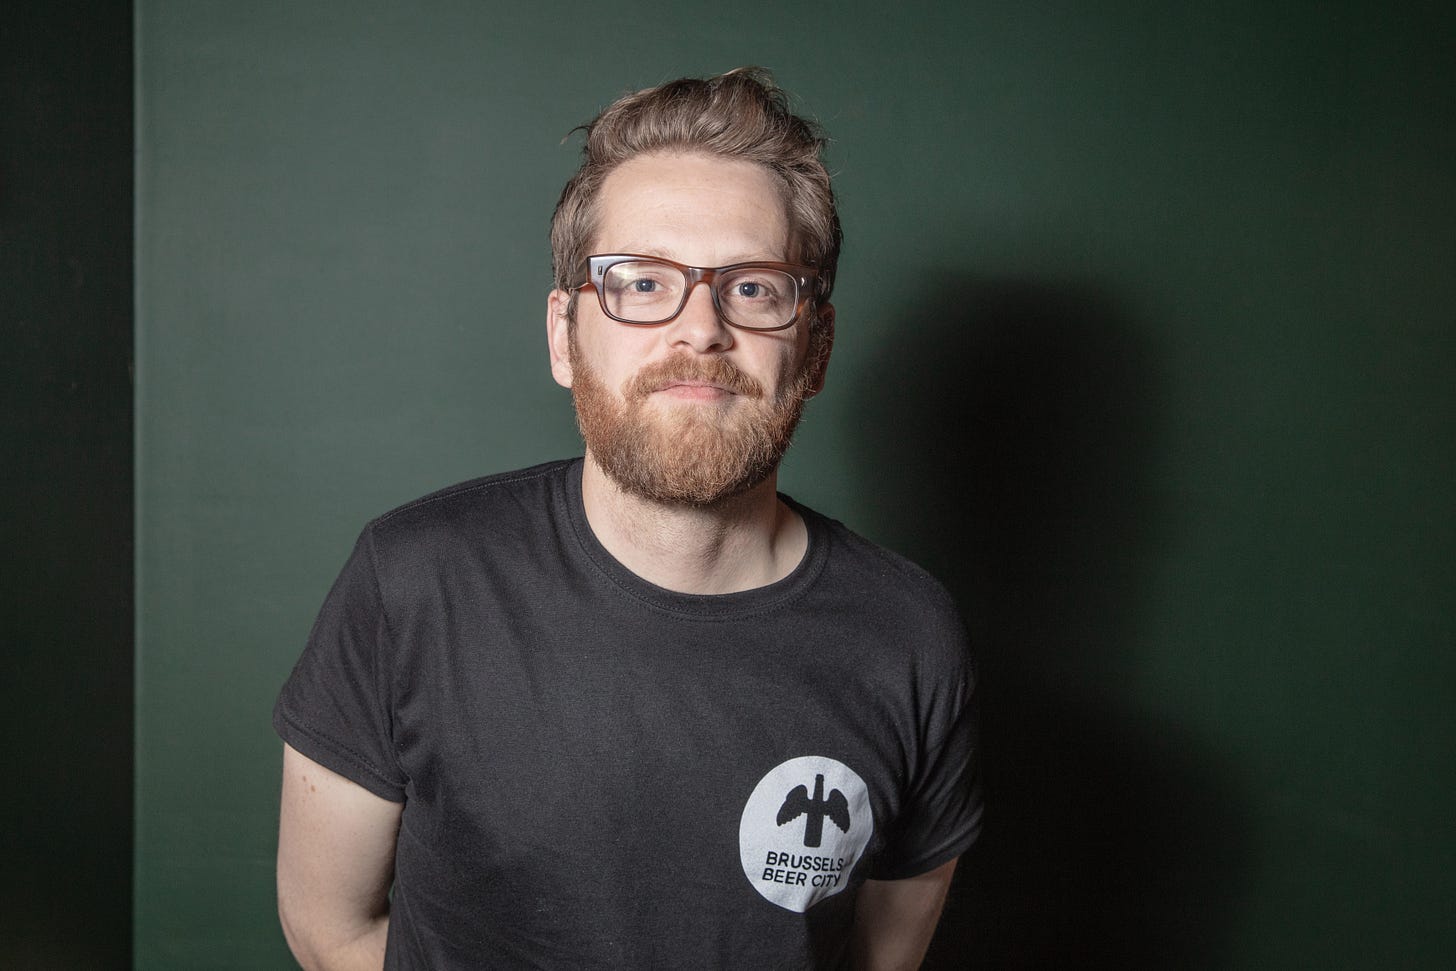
{"type": "Point", "coordinates": [724, 606]}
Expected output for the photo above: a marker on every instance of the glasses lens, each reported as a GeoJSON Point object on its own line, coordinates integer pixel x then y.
{"type": "Point", "coordinates": [642, 290]}
{"type": "Point", "coordinates": [758, 297]}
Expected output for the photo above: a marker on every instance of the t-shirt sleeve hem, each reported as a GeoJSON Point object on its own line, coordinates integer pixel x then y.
{"type": "Point", "coordinates": [335, 758]}
{"type": "Point", "coordinates": [929, 861]}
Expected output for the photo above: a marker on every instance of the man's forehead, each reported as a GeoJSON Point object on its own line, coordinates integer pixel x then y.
{"type": "Point", "coordinates": [651, 204]}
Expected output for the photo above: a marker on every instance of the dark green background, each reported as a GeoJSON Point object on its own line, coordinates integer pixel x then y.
{"type": "Point", "coordinates": [1147, 345]}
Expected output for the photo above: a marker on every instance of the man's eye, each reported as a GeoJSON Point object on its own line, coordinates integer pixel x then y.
{"type": "Point", "coordinates": [755, 290]}
{"type": "Point", "coordinates": [644, 286]}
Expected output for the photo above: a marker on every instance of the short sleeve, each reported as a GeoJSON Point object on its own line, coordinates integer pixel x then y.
{"type": "Point", "coordinates": [335, 707]}
{"type": "Point", "coordinates": [940, 816]}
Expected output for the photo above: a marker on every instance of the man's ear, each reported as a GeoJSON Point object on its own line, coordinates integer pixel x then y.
{"type": "Point", "coordinates": [558, 336]}
{"type": "Point", "coordinates": [821, 343]}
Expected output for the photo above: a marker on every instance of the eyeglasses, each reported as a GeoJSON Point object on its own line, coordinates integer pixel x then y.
{"type": "Point", "coordinates": [651, 290]}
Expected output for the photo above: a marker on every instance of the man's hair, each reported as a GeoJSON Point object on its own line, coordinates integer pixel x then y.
{"type": "Point", "coordinates": [738, 115]}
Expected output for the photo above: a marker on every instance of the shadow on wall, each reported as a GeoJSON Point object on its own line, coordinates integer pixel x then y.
{"type": "Point", "coordinates": [1009, 429]}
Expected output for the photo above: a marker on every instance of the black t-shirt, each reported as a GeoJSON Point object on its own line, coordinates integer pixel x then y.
{"type": "Point", "coordinates": [600, 773]}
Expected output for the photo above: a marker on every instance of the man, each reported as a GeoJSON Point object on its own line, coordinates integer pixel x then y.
{"type": "Point", "coordinates": [638, 710]}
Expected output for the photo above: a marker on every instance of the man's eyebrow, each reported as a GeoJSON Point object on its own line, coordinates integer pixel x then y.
{"type": "Point", "coordinates": [646, 251]}
{"type": "Point", "coordinates": [661, 253]}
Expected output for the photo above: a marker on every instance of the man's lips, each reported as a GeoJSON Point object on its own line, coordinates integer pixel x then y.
{"type": "Point", "coordinates": [695, 390]}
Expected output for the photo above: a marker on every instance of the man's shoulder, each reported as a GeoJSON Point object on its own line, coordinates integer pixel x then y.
{"type": "Point", "coordinates": [866, 572]}
{"type": "Point", "coordinates": [503, 500]}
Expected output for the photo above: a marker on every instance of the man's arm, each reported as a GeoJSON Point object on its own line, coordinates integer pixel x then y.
{"type": "Point", "coordinates": [335, 865]}
{"type": "Point", "coordinates": [894, 919]}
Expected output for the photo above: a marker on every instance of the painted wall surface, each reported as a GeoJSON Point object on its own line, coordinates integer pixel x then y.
{"type": "Point", "coordinates": [1147, 325]}
{"type": "Point", "coordinates": [66, 485]}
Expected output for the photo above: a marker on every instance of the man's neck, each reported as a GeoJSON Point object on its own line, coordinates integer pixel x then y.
{"type": "Point", "coordinates": [750, 540]}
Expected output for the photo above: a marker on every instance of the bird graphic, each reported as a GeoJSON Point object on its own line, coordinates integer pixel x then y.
{"type": "Point", "coordinates": [797, 803]}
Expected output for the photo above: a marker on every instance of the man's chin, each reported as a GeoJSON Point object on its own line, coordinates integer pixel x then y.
{"type": "Point", "coordinates": [684, 463]}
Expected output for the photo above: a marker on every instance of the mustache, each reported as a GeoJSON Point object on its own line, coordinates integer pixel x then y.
{"type": "Point", "coordinates": [710, 370]}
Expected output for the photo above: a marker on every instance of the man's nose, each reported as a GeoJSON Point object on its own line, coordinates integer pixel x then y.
{"type": "Point", "coordinates": [699, 326]}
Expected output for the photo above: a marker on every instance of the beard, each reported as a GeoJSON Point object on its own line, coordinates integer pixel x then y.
{"type": "Point", "coordinates": [690, 453]}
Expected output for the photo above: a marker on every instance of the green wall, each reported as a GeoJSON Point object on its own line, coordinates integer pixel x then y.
{"type": "Point", "coordinates": [1146, 345]}
{"type": "Point", "coordinates": [65, 485]}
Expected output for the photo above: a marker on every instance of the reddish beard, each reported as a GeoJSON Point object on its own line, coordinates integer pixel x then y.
{"type": "Point", "coordinates": [694, 454]}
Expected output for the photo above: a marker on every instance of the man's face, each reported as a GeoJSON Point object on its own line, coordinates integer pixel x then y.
{"type": "Point", "coordinates": [692, 411]}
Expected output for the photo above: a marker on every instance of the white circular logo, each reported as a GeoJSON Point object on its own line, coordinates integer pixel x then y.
{"type": "Point", "coordinates": [803, 830]}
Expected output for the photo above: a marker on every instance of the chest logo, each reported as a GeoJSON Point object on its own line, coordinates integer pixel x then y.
{"type": "Point", "coordinates": [797, 803]}
{"type": "Point", "coordinates": [803, 829]}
